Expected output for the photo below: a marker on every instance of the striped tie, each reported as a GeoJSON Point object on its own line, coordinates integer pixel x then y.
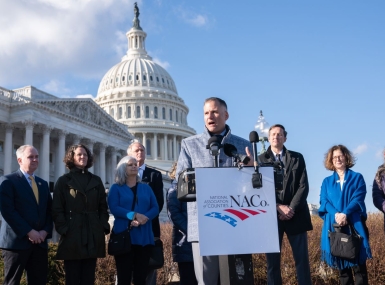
{"type": "Point", "coordinates": [34, 188]}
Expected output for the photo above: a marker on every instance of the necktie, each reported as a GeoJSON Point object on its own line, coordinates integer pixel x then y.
{"type": "Point", "coordinates": [279, 159]}
{"type": "Point", "coordinates": [34, 188]}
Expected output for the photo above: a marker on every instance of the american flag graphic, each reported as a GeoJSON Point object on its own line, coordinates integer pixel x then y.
{"type": "Point", "coordinates": [241, 214]}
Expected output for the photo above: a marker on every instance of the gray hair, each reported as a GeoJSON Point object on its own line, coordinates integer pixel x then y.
{"type": "Point", "coordinates": [20, 150]}
{"type": "Point", "coordinates": [129, 149]}
{"type": "Point", "coordinates": [121, 173]}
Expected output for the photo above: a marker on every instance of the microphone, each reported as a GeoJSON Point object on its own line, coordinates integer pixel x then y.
{"type": "Point", "coordinates": [254, 138]}
{"type": "Point", "coordinates": [231, 151]}
{"type": "Point", "coordinates": [214, 144]}
{"type": "Point", "coordinates": [256, 180]}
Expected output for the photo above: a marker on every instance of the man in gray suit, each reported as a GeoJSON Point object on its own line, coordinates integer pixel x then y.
{"type": "Point", "coordinates": [25, 204]}
{"type": "Point", "coordinates": [194, 154]}
{"type": "Point", "coordinates": [293, 212]}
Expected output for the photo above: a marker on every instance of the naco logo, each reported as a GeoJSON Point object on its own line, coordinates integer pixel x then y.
{"type": "Point", "coordinates": [241, 208]}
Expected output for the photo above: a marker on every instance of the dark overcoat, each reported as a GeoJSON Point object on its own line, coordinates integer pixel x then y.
{"type": "Point", "coordinates": [296, 189]}
{"type": "Point", "coordinates": [80, 217]}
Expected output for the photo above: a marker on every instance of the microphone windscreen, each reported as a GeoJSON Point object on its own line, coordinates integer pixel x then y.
{"type": "Point", "coordinates": [229, 149]}
{"type": "Point", "coordinates": [215, 139]}
{"type": "Point", "coordinates": [253, 137]}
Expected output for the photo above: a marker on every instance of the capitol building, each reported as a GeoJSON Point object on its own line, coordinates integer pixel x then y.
{"type": "Point", "coordinates": [137, 100]}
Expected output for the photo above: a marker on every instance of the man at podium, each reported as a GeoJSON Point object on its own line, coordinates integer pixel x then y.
{"type": "Point", "coordinates": [194, 154]}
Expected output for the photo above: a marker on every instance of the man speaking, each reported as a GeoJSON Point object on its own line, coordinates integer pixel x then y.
{"type": "Point", "coordinates": [194, 154]}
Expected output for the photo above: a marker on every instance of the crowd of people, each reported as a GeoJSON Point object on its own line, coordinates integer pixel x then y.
{"type": "Point", "coordinates": [79, 207]}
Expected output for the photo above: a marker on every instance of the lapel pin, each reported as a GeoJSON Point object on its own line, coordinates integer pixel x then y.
{"type": "Point", "coordinates": [39, 183]}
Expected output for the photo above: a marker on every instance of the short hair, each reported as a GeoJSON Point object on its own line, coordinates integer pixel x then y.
{"type": "Point", "coordinates": [21, 149]}
{"type": "Point", "coordinates": [219, 100]}
{"type": "Point", "coordinates": [120, 171]}
{"type": "Point", "coordinates": [130, 147]}
{"type": "Point", "coordinates": [172, 172]}
{"type": "Point", "coordinates": [69, 156]}
{"type": "Point", "coordinates": [279, 126]}
{"type": "Point", "coordinates": [350, 160]}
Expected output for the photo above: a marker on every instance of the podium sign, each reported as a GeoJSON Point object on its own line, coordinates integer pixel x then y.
{"type": "Point", "coordinates": [233, 217]}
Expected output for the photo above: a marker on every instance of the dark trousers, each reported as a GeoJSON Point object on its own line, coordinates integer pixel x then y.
{"type": "Point", "coordinates": [33, 260]}
{"type": "Point", "coordinates": [360, 275]}
{"type": "Point", "coordinates": [187, 273]}
{"type": "Point", "coordinates": [80, 271]}
{"type": "Point", "coordinates": [133, 263]}
{"type": "Point", "coordinates": [299, 248]}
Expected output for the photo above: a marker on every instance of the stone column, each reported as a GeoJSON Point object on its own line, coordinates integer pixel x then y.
{"type": "Point", "coordinates": [175, 152]}
{"type": "Point", "coordinates": [112, 165]}
{"type": "Point", "coordinates": [155, 157]}
{"type": "Point", "coordinates": [102, 162]}
{"type": "Point", "coordinates": [44, 153]}
{"type": "Point", "coordinates": [165, 147]}
{"type": "Point", "coordinates": [60, 153]}
{"type": "Point", "coordinates": [144, 139]}
{"type": "Point", "coordinates": [8, 149]}
{"type": "Point", "coordinates": [29, 124]}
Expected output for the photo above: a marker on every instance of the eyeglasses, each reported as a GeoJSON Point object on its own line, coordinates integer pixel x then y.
{"type": "Point", "coordinates": [340, 157]}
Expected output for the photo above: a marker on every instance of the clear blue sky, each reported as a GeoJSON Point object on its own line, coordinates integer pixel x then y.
{"type": "Point", "coordinates": [317, 67]}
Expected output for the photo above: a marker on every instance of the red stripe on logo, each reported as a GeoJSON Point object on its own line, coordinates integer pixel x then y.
{"type": "Point", "coordinates": [239, 214]}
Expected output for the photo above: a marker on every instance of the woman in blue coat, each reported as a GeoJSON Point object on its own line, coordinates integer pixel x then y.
{"type": "Point", "coordinates": [342, 201]}
{"type": "Point", "coordinates": [120, 200]}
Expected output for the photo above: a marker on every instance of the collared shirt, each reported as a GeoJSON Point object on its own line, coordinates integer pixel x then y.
{"type": "Point", "coordinates": [141, 170]}
{"type": "Point", "coordinates": [280, 153]}
{"type": "Point", "coordinates": [26, 175]}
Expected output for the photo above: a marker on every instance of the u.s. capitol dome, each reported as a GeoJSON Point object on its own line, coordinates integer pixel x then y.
{"type": "Point", "coordinates": [142, 95]}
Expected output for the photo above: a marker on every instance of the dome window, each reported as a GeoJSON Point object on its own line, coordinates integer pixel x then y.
{"type": "Point", "coordinates": [117, 79]}
{"type": "Point", "coordinates": [106, 82]}
{"type": "Point", "coordinates": [168, 82]}
{"type": "Point", "coordinates": [148, 147]}
{"type": "Point", "coordinates": [137, 112]}
{"type": "Point", "coordinates": [170, 115]}
{"type": "Point", "coordinates": [151, 77]}
{"type": "Point", "coordinates": [123, 78]}
{"type": "Point", "coordinates": [130, 77]}
{"type": "Point", "coordinates": [137, 77]}
{"type": "Point", "coordinates": [129, 112]}
{"type": "Point", "coordinates": [162, 80]}
{"type": "Point", "coordinates": [156, 112]}
{"type": "Point", "coordinates": [111, 80]}
{"type": "Point", "coordinates": [164, 113]}
{"type": "Point", "coordinates": [157, 78]}
{"type": "Point", "coordinates": [147, 112]}
{"type": "Point", "coordinates": [144, 77]}
{"type": "Point", "coordinates": [176, 116]}
{"type": "Point", "coordinates": [120, 112]}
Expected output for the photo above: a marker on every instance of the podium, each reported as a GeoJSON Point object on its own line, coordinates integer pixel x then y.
{"type": "Point", "coordinates": [234, 219]}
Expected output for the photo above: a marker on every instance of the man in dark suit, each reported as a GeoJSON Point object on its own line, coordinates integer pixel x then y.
{"type": "Point", "coordinates": [154, 179]}
{"type": "Point", "coordinates": [293, 212]}
{"type": "Point", "coordinates": [25, 204]}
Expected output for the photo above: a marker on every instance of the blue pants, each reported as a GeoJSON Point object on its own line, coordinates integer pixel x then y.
{"type": "Point", "coordinates": [299, 248]}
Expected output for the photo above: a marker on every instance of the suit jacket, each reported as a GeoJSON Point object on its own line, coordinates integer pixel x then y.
{"type": "Point", "coordinates": [154, 179]}
{"type": "Point", "coordinates": [21, 213]}
{"type": "Point", "coordinates": [295, 191]}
